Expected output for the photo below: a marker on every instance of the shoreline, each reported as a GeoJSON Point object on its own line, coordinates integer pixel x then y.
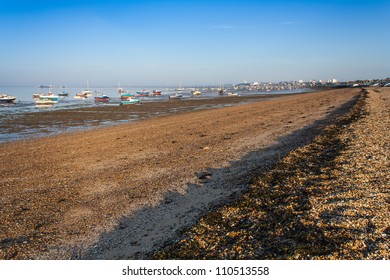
{"type": "Point", "coordinates": [29, 125]}
{"type": "Point", "coordinates": [118, 192]}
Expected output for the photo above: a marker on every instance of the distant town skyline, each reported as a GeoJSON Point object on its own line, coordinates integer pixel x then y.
{"type": "Point", "coordinates": [191, 42]}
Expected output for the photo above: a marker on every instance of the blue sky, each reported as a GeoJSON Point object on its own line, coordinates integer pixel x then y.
{"type": "Point", "coordinates": [191, 42]}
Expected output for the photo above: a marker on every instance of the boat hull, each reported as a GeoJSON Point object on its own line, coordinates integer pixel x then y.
{"type": "Point", "coordinates": [47, 100]}
{"type": "Point", "coordinates": [4, 98]}
{"type": "Point", "coordinates": [143, 93]}
{"type": "Point", "coordinates": [7, 100]}
{"type": "Point", "coordinates": [176, 96]}
{"type": "Point", "coordinates": [129, 102]}
{"type": "Point", "coordinates": [102, 99]}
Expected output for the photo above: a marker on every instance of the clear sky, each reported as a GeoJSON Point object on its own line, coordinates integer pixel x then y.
{"type": "Point", "coordinates": [191, 42]}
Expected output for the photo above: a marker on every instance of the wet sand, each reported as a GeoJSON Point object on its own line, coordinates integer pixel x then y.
{"type": "Point", "coordinates": [122, 191]}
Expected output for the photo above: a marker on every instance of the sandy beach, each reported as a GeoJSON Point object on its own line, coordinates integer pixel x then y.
{"type": "Point", "coordinates": [120, 192]}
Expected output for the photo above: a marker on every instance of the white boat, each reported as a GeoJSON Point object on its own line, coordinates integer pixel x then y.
{"type": "Point", "coordinates": [196, 93]}
{"type": "Point", "coordinates": [176, 96]}
{"type": "Point", "coordinates": [180, 89]}
{"type": "Point", "coordinates": [49, 99]}
{"type": "Point", "coordinates": [5, 98]}
{"type": "Point", "coordinates": [84, 94]}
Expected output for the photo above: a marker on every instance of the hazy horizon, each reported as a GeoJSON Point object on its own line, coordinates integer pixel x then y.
{"type": "Point", "coordinates": [159, 43]}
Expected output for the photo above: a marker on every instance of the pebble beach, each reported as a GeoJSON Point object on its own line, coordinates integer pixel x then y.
{"type": "Point", "coordinates": [328, 200]}
{"type": "Point", "coordinates": [216, 183]}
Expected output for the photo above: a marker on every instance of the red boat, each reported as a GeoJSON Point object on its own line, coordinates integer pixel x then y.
{"type": "Point", "coordinates": [103, 98]}
{"type": "Point", "coordinates": [156, 92]}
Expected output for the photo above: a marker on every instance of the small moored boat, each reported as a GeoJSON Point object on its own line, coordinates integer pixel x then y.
{"type": "Point", "coordinates": [143, 93]}
{"type": "Point", "coordinates": [176, 96]}
{"type": "Point", "coordinates": [84, 94]}
{"type": "Point", "coordinates": [63, 94]}
{"type": "Point", "coordinates": [126, 95]}
{"type": "Point", "coordinates": [48, 99]}
{"type": "Point", "coordinates": [5, 98]}
{"type": "Point", "coordinates": [102, 98]}
{"type": "Point", "coordinates": [129, 101]}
